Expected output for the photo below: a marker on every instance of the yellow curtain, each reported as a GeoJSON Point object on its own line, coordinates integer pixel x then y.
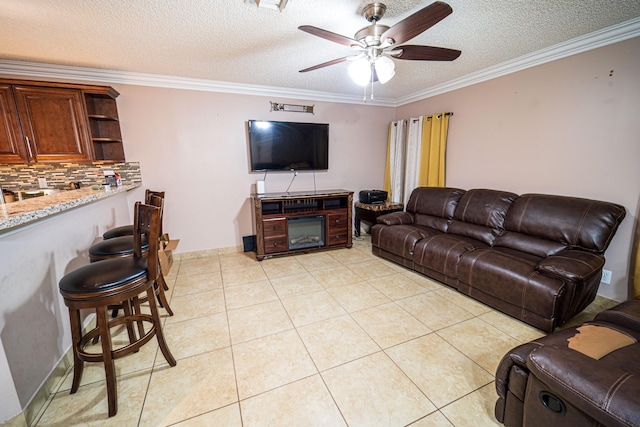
{"type": "Point", "coordinates": [387, 171]}
{"type": "Point", "coordinates": [432, 155]}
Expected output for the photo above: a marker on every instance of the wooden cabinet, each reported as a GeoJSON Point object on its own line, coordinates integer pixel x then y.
{"type": "Point", "coordinates": [11, 142]}
{"type": "Point", "coordinates": [56, 122]}
{"type": "Point", "coordinates": [301, 222]}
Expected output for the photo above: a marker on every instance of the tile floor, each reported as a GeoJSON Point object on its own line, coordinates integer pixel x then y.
{"type": "Point", "coordinates": [330, 338]}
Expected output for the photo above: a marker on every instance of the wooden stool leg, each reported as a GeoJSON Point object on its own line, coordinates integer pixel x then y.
{"type": "Point", "coordinates": [158, 327]}
{"type": "Point", "coordinates": [107, 358]}
{"type": "Point", "coordinates": [138, 310]}
{"type": "Point", "coordinates": [161, 285]}
{"type": "Point", "coordinates": [126, 307]}
{"type": "Point", "coordinates": [76, 337]}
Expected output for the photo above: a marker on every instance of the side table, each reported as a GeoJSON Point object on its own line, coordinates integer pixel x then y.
{"type": "Point", "coordinates": [370, 212]}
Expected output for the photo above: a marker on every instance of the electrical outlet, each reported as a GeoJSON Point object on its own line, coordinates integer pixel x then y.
{"type": "Point", "coordinates": [42, 182]}
{"type": "Point", "coordinates": [606, 277]}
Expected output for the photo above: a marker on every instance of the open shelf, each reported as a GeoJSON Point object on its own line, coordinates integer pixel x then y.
{"type": "Point", "coordinates": [104, 125]}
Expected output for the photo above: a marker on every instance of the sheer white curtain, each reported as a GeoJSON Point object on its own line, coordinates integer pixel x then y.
{"type": "Point", "coordinates": [413, 155]}
{"type": "Point", "coordinates": [396, 162]}
{"type": "Point", "coordinates": [416, 155]}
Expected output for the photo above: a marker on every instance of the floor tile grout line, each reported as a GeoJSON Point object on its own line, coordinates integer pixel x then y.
{"type": "Point", "coordinates": [231, 350]}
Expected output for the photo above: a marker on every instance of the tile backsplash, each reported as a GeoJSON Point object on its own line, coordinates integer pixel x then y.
{"type": "Point", "coordinates": [60, 175]}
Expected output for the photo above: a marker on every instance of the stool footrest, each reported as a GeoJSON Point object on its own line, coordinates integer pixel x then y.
{"type": "Point", "coordinates": [132, 347]}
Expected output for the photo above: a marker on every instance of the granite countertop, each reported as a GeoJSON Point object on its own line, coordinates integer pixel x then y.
{"type": "Point", "coordinates": [17, 214]}
{"type": "Point", "coordinates": [380, 206]}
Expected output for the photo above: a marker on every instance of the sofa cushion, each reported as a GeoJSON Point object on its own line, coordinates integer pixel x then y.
{"type": "Point", "coordinates": [399, 239]}
{"type": "Point", "coordinates": [433, 206]}
{"type": "Point", "coordinates": [529, 244]}
{"type": "Point", "coordinates": [571, 221]}
{"type": "Point", "coordinates": [442, 252]}
{"type": "Point", "coordinates": [511, 277]}
{"type": "Point", "coordinates": [481, 213]}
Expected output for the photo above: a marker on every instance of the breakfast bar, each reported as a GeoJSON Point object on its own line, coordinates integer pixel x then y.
{"type": "Point", "coordinates": [42, 239]}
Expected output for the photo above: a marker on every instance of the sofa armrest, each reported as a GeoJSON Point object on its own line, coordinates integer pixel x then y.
{"type": "Point", "coordinates": [572, 264]}
{"type": "Point", "coordinates": [604, 392]}
{"type": "Point", "coordinates": [395, 218]}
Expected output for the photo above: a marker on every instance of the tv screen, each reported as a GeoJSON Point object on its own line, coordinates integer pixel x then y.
{"type": "Point", "coordinates": [284, 146]}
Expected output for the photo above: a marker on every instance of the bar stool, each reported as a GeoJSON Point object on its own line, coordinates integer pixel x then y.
{"type": "Point", "coordinates": [127, 230]}
{"type": "Point", "coordinates": [98, 285]}
{"type": "Point", "coordinates": [123, 246]}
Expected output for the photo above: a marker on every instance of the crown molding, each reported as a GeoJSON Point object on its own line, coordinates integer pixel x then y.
{"type": "Point", "coordinates": [607, 36]}
{"type": "Point", "coordinates": [614, 34]}
{"type": "Point", "coordinates": [52, 71]}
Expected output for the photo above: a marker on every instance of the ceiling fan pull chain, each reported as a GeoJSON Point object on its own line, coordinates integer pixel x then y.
{"type": "Point", "coordinates": [372, 73]}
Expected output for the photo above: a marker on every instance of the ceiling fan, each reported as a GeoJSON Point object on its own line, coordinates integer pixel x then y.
{"type": "Point", "coordinates": [377, 44]}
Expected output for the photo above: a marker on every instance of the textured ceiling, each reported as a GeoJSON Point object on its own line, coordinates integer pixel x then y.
{"type": "Point", "coordinates": [234, 41]}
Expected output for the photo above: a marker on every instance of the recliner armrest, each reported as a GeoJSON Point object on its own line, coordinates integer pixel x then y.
{"type": "Point", "coordinates": [572, 264]}
{"type": "Point", "coordinates": [606, 393]}
{"type": "Point", "coordinates": [395, 218]}
{"type": "Point", "coordinates": [625, 314]}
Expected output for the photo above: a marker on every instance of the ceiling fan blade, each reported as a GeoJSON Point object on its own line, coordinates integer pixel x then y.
{"type": "Point", "coordinates": [326, 64]}
{"type": "Point", "coordinates": [420, 21]}
{"type": "Point", "coordinates": [328, 35]}
{"type": "Point", "coordinates": [426, 53]}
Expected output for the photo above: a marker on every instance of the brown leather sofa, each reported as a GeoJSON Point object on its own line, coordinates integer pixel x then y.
{"type": "Point", "coordinates": [587, 375]}
{"type": "Point", "coordinates": [535, 257]}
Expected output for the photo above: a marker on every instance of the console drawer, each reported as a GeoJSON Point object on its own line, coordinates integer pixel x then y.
{"type": "Point", "coordinates": [275, 244]}
{"type": "Point", "coordinates": [337, 229]}
{"type": "Point", "coordinates": [274, 227]}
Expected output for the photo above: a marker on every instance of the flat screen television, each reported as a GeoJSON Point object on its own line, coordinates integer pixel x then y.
{"type": "Point", "coordinates": [286, 146]}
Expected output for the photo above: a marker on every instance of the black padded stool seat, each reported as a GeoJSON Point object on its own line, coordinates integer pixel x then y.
{"type": "Point", "coordinates": [124, 230]}
{"type": "Point", "coordinates": [116, 247]}
{"type": "Point", "coordinates": [116, 281]}
{"type": "Point", "coordinates": [104, 275]}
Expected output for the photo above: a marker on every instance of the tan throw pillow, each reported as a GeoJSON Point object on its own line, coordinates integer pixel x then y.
{"type": "Point", "coordinates": [598, 341]}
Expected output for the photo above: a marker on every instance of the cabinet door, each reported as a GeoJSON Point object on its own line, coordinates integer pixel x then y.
{"type": "Point", "coordinates": [12, 149]}
{"type": "Point", "coordinates": [54, 124]}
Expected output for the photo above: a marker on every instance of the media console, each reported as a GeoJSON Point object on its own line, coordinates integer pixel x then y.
{"type": "Point", "coordinates": [302, 221]}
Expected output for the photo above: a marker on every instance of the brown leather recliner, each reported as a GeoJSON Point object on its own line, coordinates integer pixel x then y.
{"type": "Point", "coordinates": [587, 375]}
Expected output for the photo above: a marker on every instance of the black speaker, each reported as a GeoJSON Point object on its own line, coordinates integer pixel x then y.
{"type": "Point", "coordinates": [249, 243]}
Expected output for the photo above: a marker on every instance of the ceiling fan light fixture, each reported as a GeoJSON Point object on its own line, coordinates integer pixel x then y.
{"type": "Point", "coordinates": [385, 69]}
{"type": "Point", "coordinates": [360, 71]}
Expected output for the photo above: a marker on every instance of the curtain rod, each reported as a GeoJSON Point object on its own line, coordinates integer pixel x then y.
{"type": "Point", "coordinates": [438, 117]}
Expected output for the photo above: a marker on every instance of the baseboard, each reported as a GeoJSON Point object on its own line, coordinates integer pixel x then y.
{"type": "Point", "coordinates": [208, 252]}
{"type": "Point", "coordinates": [35, 408]}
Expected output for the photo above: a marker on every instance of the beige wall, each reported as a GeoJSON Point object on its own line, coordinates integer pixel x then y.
{"type": "Point", "coordinates": [566, 127]}
{"type": "Point", "coordinates": [193, 145]}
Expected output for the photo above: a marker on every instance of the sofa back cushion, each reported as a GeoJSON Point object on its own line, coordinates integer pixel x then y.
{"type": "Point", "coordinates": [570, 221]}
{"type": "Point", "coordinates": [481, 213]}
{"type": "Point", "coordinates": [433, 206]}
